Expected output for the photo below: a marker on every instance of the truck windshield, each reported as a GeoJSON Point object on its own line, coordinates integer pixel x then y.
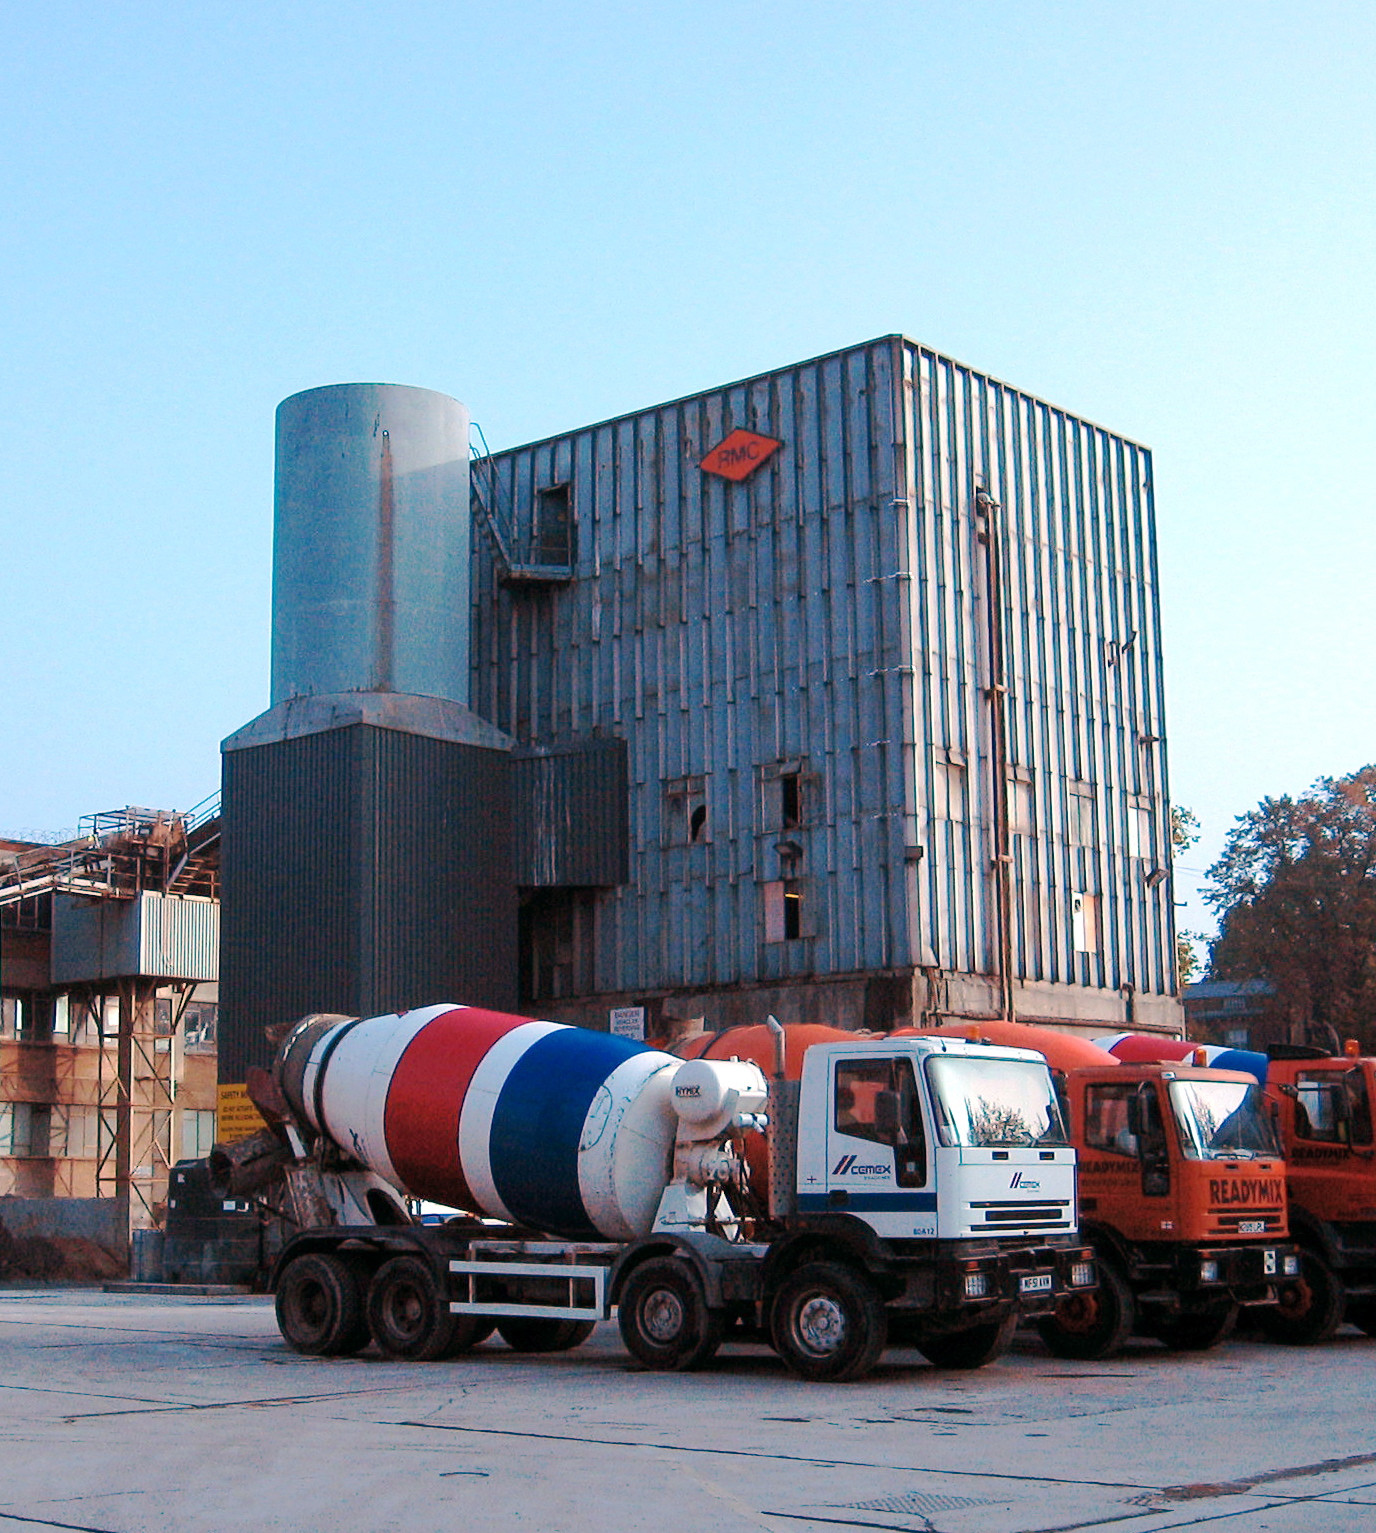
{"type": "Point", "coordinates": [1220, 1120]}
{"type": "Point", "coordinates": [994, 1103]}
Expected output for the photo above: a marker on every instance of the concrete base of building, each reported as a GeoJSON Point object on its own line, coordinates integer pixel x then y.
{"type": "Point", "coordinates": [880, 1003]}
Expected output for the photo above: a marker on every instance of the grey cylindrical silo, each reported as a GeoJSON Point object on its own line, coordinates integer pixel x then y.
{"type": "Point", "coordinates": [370, 588]}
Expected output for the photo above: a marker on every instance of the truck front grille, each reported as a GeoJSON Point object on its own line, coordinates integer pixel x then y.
{"type": "Point", "coordinates": [1040, 1214]}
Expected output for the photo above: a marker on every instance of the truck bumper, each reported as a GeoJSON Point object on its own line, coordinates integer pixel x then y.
{"type": "Point", "coordinates": [1030, 1281]}
{"type": "Point", "coordinates": [1246, 1274]}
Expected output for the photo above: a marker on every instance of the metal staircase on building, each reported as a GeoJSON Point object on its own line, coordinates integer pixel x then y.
{"type": "Point", "coordinates": [120, 854]}
{"type": "Point", "coordinates": [522, 562]}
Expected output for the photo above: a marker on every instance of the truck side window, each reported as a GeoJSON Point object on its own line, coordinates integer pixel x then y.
{"type": "Point", "coordinates": [876, 1099]}
{"type": "Point", "coordinates": [1322, 1109]}
{"type": "Point", "coordinates": [1106, 1119]}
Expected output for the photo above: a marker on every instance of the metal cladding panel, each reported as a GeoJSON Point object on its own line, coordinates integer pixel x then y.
{"type": "Point", "coordinates": [1081, 636]}
{"type": "Point", "coordinates": [153, 936]}
{"type": "Point", "coordinates": [571, 816]}
{"type": "Point", "coordinates": [290, 901]}
{"type": "Point", "coordinates": [827, 617]}
{"type": "Point", "coordinates": [370, 545]}
{"type": "Point", "coordinates": [363, 870]}
{"type": "Point", "coordinates": [723, 629]}
{"type": "Point", "coordinates": [94, 939]}
{"type": "Point", "coordinates": [179, 938]}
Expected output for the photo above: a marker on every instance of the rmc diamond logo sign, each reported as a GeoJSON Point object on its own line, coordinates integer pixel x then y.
{"type": "Point", "coordinates": [739, 455]}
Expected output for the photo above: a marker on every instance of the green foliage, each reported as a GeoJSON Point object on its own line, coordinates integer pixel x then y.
{"type": "Point", "coordinates": [1184, 834]}
{"type": "Point", "coordinates": [1295, 892]}
{"type": "Point", "coordinates": [1184, 829]}
{"type": "Point", "coordinates": [1188, 964]}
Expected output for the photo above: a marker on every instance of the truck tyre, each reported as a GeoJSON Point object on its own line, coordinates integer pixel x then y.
{"type": "Point", "coordinates": [1197, 1333]}
{"type": "Point", "coordinates": [1362, 1314]}
{"type": "Point", "coordinates": [1310, 1311]}
{"type": "Point", "coordinates": [828, 1323]}
{"type": "Point", "coordinates": [1088, 1326]}
{"type": "Point", "coordinates": [320, 1305]}
{"type": "Point", "coordinates": [408, 1314]}
{"type": "Point", "coordinates": [970, 1348]}
{"type": "Point", "coordinates": [541, 1334]}
{"type": "Point", "coordinates": [664, 1317]}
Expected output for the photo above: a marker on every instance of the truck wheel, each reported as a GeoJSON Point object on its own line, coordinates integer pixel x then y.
{"type": "Point", "coordinates": [1088, 1326]}
{"type": "Point", "coordinates": [541, 1334]}
{"type": "Point", "coordinates": [1309, 1311]}
{"type": "Point", "coordinates": [408, 1314]}
{"type": "Point", "coordinates": [970, 1348]}
{"type": "Point", "coordinates": [1362, 1314]}
{"type": "Point", "coordinates": [664, 1317]}
{"type": "Point", "coordinates": [827, 1323]}
{"type": "Point", "coordinates": [1197, 1333]}
{"type": "Point", "coordinates": [320, 1306]}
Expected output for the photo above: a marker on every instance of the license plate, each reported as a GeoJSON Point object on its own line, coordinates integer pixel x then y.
{"type": "Point", "coordinates": [1039, 1282]}
{"type": "Point", "coordinates": [1251, 1227]}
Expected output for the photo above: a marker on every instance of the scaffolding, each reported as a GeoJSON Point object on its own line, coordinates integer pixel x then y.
{"type": "Point", "coordinates": [120, 856]}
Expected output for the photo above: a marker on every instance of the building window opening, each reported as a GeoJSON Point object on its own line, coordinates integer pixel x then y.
{"type": "Point", "coordinates": [24, 1129]}
{"type": "Point", "coordinates": [1140, 837]}
{"type": "Point", "coordinates": [1084, 919]}
{"type": "Point", "coordinates": [556, 944]}
{"type": "Point", "coordinates": [198, 1133]}
{"type": "Point", "coordinates": [685, 811]}
{"type": "Point", "coordinates": [784, 911]}
{"type": "Point", "coordinates": [554, 526]}
{"type": "Point", "coordinates": [199, 1024]}
{"type": "Point", "coordinates": [791, 800]}
{"type": "Point", "coordinates": [1021, 811]}
{"type": "Point", "coordinates": [948, 786]}
{"type": "Point", "coordinates": [1080, 815]}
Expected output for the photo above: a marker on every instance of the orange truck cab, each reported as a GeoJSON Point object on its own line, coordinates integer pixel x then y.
{"type": "Point", "coordinates": [1326, 1121]}
{"type": "Point", "coordinates": [1182, 1194]}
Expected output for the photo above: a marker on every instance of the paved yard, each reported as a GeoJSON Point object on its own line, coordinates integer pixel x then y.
{"type": "Point", "coordinates": [124, 1413]}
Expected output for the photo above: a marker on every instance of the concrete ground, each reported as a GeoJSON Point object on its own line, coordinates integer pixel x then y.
{"type": "Point", "coordinates": [123, 1413]}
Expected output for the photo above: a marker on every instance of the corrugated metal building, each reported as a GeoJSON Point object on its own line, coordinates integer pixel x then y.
{"type": "Point", "coordinates": [889, 685]}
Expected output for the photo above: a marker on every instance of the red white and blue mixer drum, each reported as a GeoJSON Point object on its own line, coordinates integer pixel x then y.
{"type": "Point", "coordinates": [1145, 1048]}
{"type": "Point", "coordinates": [557, 1128]}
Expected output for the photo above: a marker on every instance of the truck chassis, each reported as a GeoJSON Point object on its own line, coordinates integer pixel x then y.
{"type": "Point", "coordinates": [827, 1294]}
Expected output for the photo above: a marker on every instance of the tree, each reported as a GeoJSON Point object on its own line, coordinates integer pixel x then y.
{"type": "Point", "coordinates": [1184, 834]}
{"type": "Point", "coordinates": [1295, 892]}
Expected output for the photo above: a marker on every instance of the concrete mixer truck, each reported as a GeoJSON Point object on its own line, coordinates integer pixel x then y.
{"type": "Point", "coordinates": [919, 1189]}
{"type": "Point", "coordinates": [1323, 1102]}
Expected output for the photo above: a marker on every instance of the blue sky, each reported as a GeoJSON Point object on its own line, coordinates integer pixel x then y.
{"type": "Point", "coordinates": [1161, 216]}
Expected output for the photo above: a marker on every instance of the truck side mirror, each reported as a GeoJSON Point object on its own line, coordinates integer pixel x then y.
{"type": "Point", "coordinates": [886, 1116]}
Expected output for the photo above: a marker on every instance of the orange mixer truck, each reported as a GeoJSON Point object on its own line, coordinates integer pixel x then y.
{"type": "Point", "coordinates": [1325, 1119]}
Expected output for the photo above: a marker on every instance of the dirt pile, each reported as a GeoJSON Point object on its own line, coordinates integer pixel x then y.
{"type": "Point", "coordinates": [56, 1259]}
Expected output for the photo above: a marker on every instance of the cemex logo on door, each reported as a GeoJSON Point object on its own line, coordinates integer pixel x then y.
{"type": "Point", "coordinates": [739, 455]}
{"type": "Point", "coordinates": [851, 1165]}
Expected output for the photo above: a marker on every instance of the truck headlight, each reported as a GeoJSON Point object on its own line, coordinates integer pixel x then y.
{"type": "Point", "coordinates": [976, 1285]}
{"type": "Point", "coordinates": [1081, 1274]}
{"type": "Point", "coordinates": [1208, 1272]}
{"type": "Point", "coordinates": [1290, 1266]}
